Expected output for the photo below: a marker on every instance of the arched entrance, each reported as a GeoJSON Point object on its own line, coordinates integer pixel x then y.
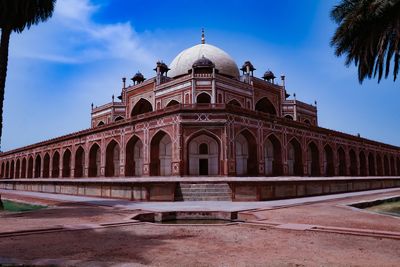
{"type": "Point", "coordinates": [7, 170]}
{"type": "Point", "coordinates": [12, 169]}
{"type": "Point", "coordinates": [342, 162]}
{"type": "Point", "coordinates": [112, 159]}
{"type": "Point", "coordinates": [17, 168]}
{"type": "Point", "coordinates": [295, 158]}
{"type": "Point", "coordinates": [141, 107]}
{"type": "Point", "coordinates": [134, 157]}
{"type": "Point", "coordinates": [329, 167]}
{"type": "Point", "coordinates": [94, 161]}
{"type": "Point", "coordinates": [172, 103]}
{"type": "Point", "coordinates": [203, 98]}
{"type": "Point", "coordinates": [363, 164]}
{"type": "Point", "coordinates": [392, 167]}
{"type": "Point", "coordinates": [265, 106]}
{"type": "Point", "coordinates": [30, 167]}
{"type": "Point", "coordinates": [66, 171]}
{"type": "Point", "coordinates": [203, 156]}
{"type": "Point", "coordinates": [38, 165]}
{"type": "Point", "coordinates": [234, 102]}
{"type": "Point", "coordinates": [2, 170]}
{"type": "Point", "coordinates": [273, 156]}
{"type": "Point", "coordinates": [353, 163]}
{"type": "Point", "coordinates": [23, 168]}
{"type": "Point", "coordinates": [379, 166]}
{"type": "Point", "coordinates": [246, 162]}
{"type": "Point", "coordinates": [161, 155]}
{"type": "Point", "coordinates": [79, 162]}
{"type": "Point", "coordinates": [386, 165]}
{"type": "Point", "coordinates": [371, 165]}
{"type": "Point", "coordinates": [55, 173]}
{"type": "Point", "coordinates": [313, 160]}
{"type": "Point", "coordinates": [46, 166]}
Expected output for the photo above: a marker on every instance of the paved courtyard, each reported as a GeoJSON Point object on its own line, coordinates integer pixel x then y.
{"type": "Point", "coordinates": [314, 231]}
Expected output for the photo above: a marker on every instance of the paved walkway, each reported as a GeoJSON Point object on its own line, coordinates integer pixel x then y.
{"type": "Point", "coordinates": [190, 205]}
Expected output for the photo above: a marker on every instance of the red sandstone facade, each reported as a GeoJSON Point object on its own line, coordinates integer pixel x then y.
{"type": "Point", "coordinates": [206, 120]}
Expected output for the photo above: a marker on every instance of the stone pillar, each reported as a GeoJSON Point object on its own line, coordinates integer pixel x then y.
{"type": "Point", "coordinates": [60, 172]}
{"type": "Point", "coordinates": [86, 162]}
{"type": "Point", "coordinates": [41, 166]}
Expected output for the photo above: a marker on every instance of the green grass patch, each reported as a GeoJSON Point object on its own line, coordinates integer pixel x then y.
{"type": "Point", "coordinates": [18, 206]}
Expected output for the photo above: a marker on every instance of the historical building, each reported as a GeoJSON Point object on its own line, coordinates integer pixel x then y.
{"type": "Point", "coordinates": [203, 116]}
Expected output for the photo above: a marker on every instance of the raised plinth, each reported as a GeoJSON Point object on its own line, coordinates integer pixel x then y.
{"type": "Point", "coordinates": [202, 188]}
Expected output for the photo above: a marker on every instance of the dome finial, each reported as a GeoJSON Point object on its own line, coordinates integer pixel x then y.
{"type": "Point", "coordinates": [203, 39]}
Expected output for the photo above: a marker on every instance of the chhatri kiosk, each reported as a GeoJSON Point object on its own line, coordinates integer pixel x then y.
{"type": "Point", "coordinates": [201, 121]}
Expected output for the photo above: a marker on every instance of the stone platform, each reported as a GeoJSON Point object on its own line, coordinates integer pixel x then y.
{"type": "Point", "coordinates": [202, 188]}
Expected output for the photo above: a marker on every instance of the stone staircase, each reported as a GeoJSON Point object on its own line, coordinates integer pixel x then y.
{"type": "Point", "coordinates": [203, 192]}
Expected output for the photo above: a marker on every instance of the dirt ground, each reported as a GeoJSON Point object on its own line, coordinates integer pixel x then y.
{"type": "Point", "coordinates": [212, 245]}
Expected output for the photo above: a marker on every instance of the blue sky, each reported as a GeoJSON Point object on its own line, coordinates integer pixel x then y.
{"type": "Point", "coordinates": [57, 69]}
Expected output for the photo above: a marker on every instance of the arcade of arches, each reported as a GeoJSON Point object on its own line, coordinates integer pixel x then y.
{"type": "Point", "coordinates": [202, 155]}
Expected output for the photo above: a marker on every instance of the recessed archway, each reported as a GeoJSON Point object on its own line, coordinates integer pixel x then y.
{"type": "Point", "coordinates": [112, 159]}
{"type": "Point", "coordinates": [141, 107]}
{"type": "Point", "coordinates": [342, 162]}
{"type": "Point", "coordinates": [265, 105]}
{"type": "Point", "coordinates": [134, 157]}
{"type": "Point", "coordinates": [17, 168]}
{"type": "Point", "coordinates": [12, 169]}
{"type": "Point", "coordinates": [161, 154]}
{"type": "Point", "coordinates": [79, 162]}
{"type": "Point", "coordinates": [7, 170]}
{"type": "Point", "coordinates": [289, 117]}
{"type": "Point", "coordinates": [363, 164]}
{"type": "Point", "coordinates": [353, 163]}
{"type": "Point", "coordinates": [379, 165]}
{"type": "Point", "coordinates": [295, 158]}
{"type": "Point", "coordinates": [246, 154]}
{"type": "Point", "coordinates": [94, 160]}
{"type": "Point", "coordinates": [392, 166]}
{"type": "Point", "coordinates": [101, 123]}
{"type": "Point", "coordinates": [386, 165]}
{"type": "Point", "coordinates": [66, 171]}
{"type": "Point", "coordinates": [203, 155]}
{"type": "Point", "coordinates": [273, 156]}
{"type": "Point", "coordinates": [23, 168]}
{"type": "Point", "coordinates": [46, 166]}
{"type": "Point", "coordinates": [371, 165]}
{"type": "Point", "coordinates": [38, 165]}
{"type": "Point", "coordinates": [234, 102]}
{"type": "Point", "coordinates": [119, 118]}
{"type": "Point", "coordinates": [329, 167]}
{"type": "Point", "coordinates": [313, 160]}
{"type": "Point", "coordinates": [172, 103]}
{"type": "Point", "coordinates": [203, 98]}
{"type": "Point", "coordinates": [30, 167]}
{"type": "Point", "coordinates": [55, 173]}
{"type": "Point", "coordinates": [2, 169]}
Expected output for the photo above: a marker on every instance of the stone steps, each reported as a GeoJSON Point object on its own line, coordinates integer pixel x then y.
{"type": "Point", "coordinates": [203, 192]}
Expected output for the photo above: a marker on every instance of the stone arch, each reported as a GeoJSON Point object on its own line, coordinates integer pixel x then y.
{"type": "Point", "coordinates": [371, 164]}
{"type": "Point", "coordinates": [79, 162]}
{"type": "Point", "coordinates": [66, 170]}
{"type": "Point", "coordinates": [313, 167]}
{"type": "Point", "coordinates": [329, 166]}
{"type": "Point", "coordinates": [289, 117]}
{"type": "Point", "coordinates": [101, 123]}
{"type": "Point", "coordinates": [161, 154]}
{"type": "Point", "coordinates": [246, 162]}
{"type": "Point", "coordinates": [363, 164]}
{"type": "Point", "coordinates": [392, 166]}
{"type": "Point", "coordinates": [2, 170]}
{"type": "Point", "coordinates": [112, 159]}
{"type": "Point", "coordinates": [265, 105]}
{"type": "Point", "coordinates": [203, 150]}
{"type": "Point", "coordinates": [342, 162]}
{"type": "Point", "coordinates": [38, 165]}
{"type": "Point", "coordinates": [30, 167]}
{"type": "Point", "coordinates": [203, 98]}
{"type": "Point", "coordinates": [55, 173]}
{"type": "Point", "coordinates": [273, 156]}
{"type": "Point", "coordinates": [17, 168]}
{"type": "Point", "coordinates": [379, 166]}
{"type": "Point", "coordinates": [23, 168]}
{"type": "Point", "coordinates": [171, 103]}
{"type": "Point", "coordinates": [295, 158]}
{"type": "Point", "coordinates": [94, 161]}
{"type": "Point", "coordinates": [46, 166]}
{"type": "Point", "coordinates": [307, 121]}
{"type": "Point", "coordinates": [234, 102]}
{"type": "Point", "coordinates": [12, 166]}
{"type": "Point", "coordinates": [134, 157]}
{"type": "Point", "coordinates": [7, 169]}
{"type": "Point", "coordinates": [141, 107]}
{"type": "Point", "coordinates": [386, 166]}
{"type": "Point", "coordinates": [119, 118]}
{"type": "Point", "coordinates": [353, 163]}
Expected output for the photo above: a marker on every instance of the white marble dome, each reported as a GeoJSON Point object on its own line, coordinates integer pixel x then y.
{"type": "Point", "coordinates": [184, 61]}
